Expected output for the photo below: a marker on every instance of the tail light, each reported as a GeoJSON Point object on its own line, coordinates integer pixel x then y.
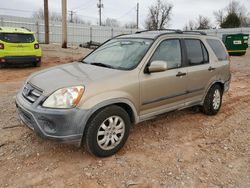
{"type": "Point", "coordinates": [36, 46]}
{"type": "Point", "coordinates": [1, 46]}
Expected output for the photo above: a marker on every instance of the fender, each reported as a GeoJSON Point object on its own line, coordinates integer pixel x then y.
{"type": "Point", "coordinates": [108, 103]}
{"type": "Point", "coordinates": [210, 85]}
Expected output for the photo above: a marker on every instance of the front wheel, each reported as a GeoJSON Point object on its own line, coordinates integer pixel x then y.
{"type": "Point", "coordinates": [213, 100]}
{"type": "Point", "coordinates": [107, 131]}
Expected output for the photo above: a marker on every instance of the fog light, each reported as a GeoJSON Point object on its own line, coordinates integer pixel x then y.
{"type": "Point", "coordinates": [47, 126]}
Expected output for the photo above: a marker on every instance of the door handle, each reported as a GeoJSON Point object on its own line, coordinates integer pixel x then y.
{"type": "Point", "coordinates": [211, 69]}
{"type": "Point", "coordinates": [180, 74]}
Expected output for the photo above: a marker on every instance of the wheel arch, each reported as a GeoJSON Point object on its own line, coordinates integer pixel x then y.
{"type": "Point", "coordinates": [128, 106]}
{"type": "Point", "coordinates": [218, 82]}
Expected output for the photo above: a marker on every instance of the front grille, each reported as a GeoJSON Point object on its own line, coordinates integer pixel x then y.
{"type": "Point", "coordinates": [30, 93]}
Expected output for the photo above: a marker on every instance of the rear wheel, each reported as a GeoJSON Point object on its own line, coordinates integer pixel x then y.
{"type": "Point", "coordinates": [213, 100]}
{"type": "Point", "coordinates": [107, 131]}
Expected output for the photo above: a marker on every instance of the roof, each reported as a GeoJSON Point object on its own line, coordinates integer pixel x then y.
{"type": "Point", "coordinates": [15, 30]}
{"type": "Point", "coordinates": [157, 33]}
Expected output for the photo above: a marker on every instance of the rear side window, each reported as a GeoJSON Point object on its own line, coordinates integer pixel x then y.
{"type": "Point", "coordinates": [17, 38]}
{"type": "Point", "coordinates": [169, 51]}
{"type": "Point", "coordinates": [196, 52]}
{"type": "Point", "coordinates": [218, 49]}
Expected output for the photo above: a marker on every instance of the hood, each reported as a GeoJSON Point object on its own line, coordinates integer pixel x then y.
{"type": "Point", "coordinates": [73, 74]}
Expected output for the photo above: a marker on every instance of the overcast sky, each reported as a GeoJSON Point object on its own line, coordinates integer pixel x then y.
{"type": "Point", "coordinates": [123, 10]}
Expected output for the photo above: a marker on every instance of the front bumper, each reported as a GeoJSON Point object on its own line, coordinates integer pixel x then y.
{"type": "Point", "coordinates": [20, 59]}
{"type": "Point", "coordinates": [61, 125]}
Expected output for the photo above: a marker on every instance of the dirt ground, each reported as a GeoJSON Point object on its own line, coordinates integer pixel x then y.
{"type": "Point", "coordinates": [179, 149]}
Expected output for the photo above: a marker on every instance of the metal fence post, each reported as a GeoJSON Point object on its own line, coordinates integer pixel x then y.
{"type": "Point", "coordinates": [91, 34]}
{"type": "Point", "coordinates": [112, 32]}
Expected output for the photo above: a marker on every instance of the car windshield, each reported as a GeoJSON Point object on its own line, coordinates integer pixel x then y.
{"type": "Point", "coordinates": [124, 54]}
{"type": "Point", "coordinates": [17, 38]}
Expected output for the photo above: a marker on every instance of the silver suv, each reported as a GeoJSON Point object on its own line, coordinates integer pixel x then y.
{"type": "Point", "coordinates": [129, 79]}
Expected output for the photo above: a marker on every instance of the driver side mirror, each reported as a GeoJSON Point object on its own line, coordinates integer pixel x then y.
{"type": "Point", "coordinates": [157, 66]}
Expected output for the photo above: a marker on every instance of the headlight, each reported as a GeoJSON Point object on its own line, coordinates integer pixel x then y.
{"type": "Point", "coordinates": [64, 98]}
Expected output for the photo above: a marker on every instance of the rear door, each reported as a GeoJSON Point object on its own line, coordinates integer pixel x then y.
{"type": "Point", "coordinates": [201, 70]}
{"type": "Point", "coordinates": [163, 91]}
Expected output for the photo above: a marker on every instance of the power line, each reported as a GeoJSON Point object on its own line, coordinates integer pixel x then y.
{"type": "Point", "coordinates": [84, 6]}
{"type": "Point", "coordinates": [16, 10]}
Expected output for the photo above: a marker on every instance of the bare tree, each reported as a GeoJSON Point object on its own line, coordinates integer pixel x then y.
{"type": "Point", "coordinates": [203, 23]}
{"type": "Point", "coordinates": [159, 15]}
{"type": "Point", "coordinates": [219, 16]}
{"type": "Point", "coordinates": [39, 15]}
{"type": "Point", "coordinates": [111, 22]}
{"type": "Point", "coordinates": [78, 20]}
{"type": "Point", "coordinates": [190, 26]}
{"type": "Point", "coordinates": [130, 25]}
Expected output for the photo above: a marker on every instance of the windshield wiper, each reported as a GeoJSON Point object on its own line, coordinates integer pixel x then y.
{"type": "Point", "coordinates": [101, 65]}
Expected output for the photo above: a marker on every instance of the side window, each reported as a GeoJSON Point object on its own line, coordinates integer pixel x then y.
{"type": "Point", "coordinates": [196, 52]}
{"type": "Point", "coordinates": [205, 53]}
{"type": "Point", "coordinates": [218, 49]}
{"type": "Point", "coordinates": [169, 51]}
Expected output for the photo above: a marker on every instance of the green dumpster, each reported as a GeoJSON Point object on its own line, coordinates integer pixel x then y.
{"type": "Point", "coordinates": [236, 44]}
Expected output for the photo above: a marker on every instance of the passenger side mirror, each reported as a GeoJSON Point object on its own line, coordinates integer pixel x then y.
{"type": "Point", "coordinates": [157, 66]}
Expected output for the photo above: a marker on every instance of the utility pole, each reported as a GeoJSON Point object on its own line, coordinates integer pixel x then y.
{"type": "Point", "coordinates": [100, 6]}
{"type": "Point", "coordinates": [137, 16]}
{"type": "Point", "coordinates": [71, 13]}
{"type": "Point", "coordinates": [64, 23]}
{"type": "Point", "coordinates": [46, 21]}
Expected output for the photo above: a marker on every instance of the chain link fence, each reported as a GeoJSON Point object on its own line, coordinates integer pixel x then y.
{"type": "Point", "coordinates": [77, 33]}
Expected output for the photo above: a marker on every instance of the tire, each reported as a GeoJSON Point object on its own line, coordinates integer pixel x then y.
{"type": "Point", "coordinates": [2, 65]}
{"type": "Point", "coordinates": [112, 136]}
{"type": "Point", "coordinates": [213, 100]}
{"type": "Point", "coordinates": [37, 64]}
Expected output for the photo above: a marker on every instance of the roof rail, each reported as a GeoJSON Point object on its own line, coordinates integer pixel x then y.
{"type": "Point", "coordinates": [26, 28]}
{"type": "Point", "coordinates": [196, 32]}
{"type": "Point", "coordinates": [174, 30]}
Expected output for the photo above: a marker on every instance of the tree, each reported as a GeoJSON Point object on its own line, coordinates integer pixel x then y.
{"type": "Point", "coordinates": [219, 16]}
{"type": "Point", "coordinates": [53, 16]}
{"type": "Point", "coordinates": [235, 12]}
{"type": "Point", "coordinates": [130, 25]}
{"type": "Point", "coordinates": [111, 22]}
{"type": "Point", "coordinates": [203, 23]}
{"type": "Point", "coordinates": [39, 15]}
{"type": "Point", "coordinates": [231, 21]}
{"type": "Point", "coordinates": [190, 26]}
{"type": "Point", "coordinates": [159, 15]}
